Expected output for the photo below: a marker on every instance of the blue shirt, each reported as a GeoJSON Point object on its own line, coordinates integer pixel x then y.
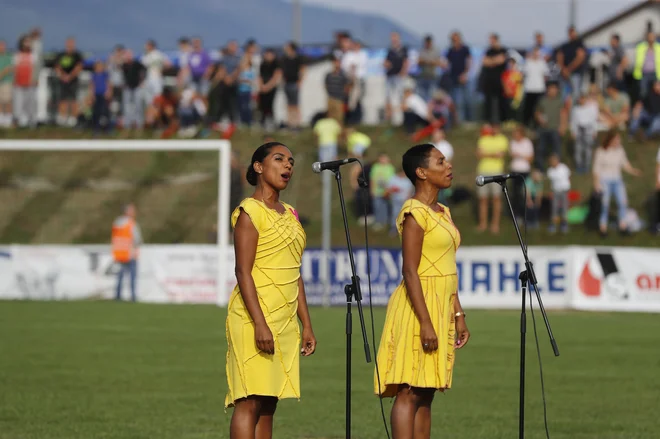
{"type": "Point", "coordinates": [100, 81]}
{"type": "Point", "coordinates": [457, 60]}
{"type": "Point", "coordinates": [246, 75]}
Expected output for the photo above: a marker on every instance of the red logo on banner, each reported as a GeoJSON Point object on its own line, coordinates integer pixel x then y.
{"type": "Point", "coordinates": [609, 281]}
{"type": "Point", "coordinates": [589, 284]}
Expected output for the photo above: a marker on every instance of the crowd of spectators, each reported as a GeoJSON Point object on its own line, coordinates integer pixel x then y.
{"type": "Point", "coordinates": [547, 96]}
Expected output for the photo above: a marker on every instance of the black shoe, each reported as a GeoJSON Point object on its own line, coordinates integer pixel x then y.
{"type": "Point", "coordinates": [602, 234]}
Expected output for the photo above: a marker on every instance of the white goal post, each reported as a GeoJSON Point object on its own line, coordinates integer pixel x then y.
{"type": "Point", "coordinates": [223, 147]}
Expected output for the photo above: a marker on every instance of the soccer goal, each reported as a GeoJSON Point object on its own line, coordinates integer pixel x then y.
{"type": "Point", "coordinates": [77, 173]}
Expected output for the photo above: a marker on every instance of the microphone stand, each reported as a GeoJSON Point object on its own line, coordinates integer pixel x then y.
{"type": "Point", "coordinates": [526, 277]}
{"type": "Point", "coordinates": [352, 292]}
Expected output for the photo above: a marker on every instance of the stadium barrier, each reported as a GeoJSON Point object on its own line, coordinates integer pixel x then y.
{"type": "Point", "coordinates": [584, 278]}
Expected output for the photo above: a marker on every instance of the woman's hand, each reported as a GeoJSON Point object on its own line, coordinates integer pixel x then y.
{"type": "Point", "coordinates": [428, 337]}
{"type": "Point", "coordinates": [462, 333]}
{"type": "Point", "coordinates": [264, 339]}
{"type": "Point", "coordinates": [308, 342]}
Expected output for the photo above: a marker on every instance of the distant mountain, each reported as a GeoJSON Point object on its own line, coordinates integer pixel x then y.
{"type": "Point", "coordinates": [100, 24]}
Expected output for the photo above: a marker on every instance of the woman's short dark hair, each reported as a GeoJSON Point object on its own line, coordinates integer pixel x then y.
{"type": "Point", "coordinates": [259, 155]}
{"type": "Point", "coordinates": [416, 157]}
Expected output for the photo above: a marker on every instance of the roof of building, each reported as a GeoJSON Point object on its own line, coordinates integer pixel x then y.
{"type": "Point", "coordinates": [620, 16]}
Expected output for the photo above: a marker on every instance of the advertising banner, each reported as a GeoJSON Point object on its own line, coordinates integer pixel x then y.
{"type": "Point", "coordinates": [616, 279]}
{"type": "Point", "coordinates": [487, 276]}
{"type": "Point", "coordinates": [165, 274]}
{"type": "Point", "coordinates": [598, 279]}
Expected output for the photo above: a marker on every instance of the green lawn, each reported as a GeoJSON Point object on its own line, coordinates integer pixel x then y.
{"type": "Point", "coordinates": [186, 213]}
{"type": "Point", "coordinates": [114, 370]}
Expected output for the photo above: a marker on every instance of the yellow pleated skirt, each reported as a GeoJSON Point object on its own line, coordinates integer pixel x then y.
{"type": "Point", "coordinates": [401, 357]}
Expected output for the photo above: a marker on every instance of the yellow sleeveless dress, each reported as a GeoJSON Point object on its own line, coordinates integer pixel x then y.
{"type": "Point", "coordinates": [401, 357]}
{"type": "Point", "coordinates": [276, 272]}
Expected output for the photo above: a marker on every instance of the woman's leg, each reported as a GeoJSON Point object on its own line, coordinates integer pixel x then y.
{"type": "Point", "coordinates": [403, 413]}
{"type": "Point", "coordinates": [604, 205]}
{"type": "Point", "coordinates": [264, 428]}
{"type": "Point", "coordinates": [245, 418]}
{"type": "Point", "coordinates": [423, 414]}
{"type": "Point", "coordinates": [619, 189]}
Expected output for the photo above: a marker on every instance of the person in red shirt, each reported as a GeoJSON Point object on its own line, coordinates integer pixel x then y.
{"type": "Point", "coordinates": [512, 80]}
{"type": "Point", "coordinates": [25, 105]}
{"type": "Point", "coordinates": [163, 112]}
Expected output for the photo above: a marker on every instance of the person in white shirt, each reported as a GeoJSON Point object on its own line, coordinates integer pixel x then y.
{"type": "Point", "coordinates": [415, 109]}
{"type": "Point", "coordinates": [155, 61]}
{"type": "Point", "coordinates": [584, 128]}
{"type": "Point", "coordinates": [560, 183]}
{"type": "Point", "coordinates": [399, 190]}
{"type": "Point", "coordinates": [536, 71]}
{"type": "Point", "coordinates": [441, 144]}
{"type": "Point", "coordinates": [522, 156]}
{"type": "Point", "coordinates": [354, 64]}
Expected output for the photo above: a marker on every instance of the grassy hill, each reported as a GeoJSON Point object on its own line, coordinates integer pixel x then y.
{"type": "Point", "coordinates": [72, 197]}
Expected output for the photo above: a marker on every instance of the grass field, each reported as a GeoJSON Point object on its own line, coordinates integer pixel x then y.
{"type": "Point", "coordinates": [91, 370]}
{"type": "Point", "coordinates": [186, 213]}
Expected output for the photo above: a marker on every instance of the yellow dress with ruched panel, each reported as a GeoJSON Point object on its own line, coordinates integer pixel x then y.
{"type": "Point", "coordinates": [401, 358]}
{"type": "Point", "coordinates": [276, 272]}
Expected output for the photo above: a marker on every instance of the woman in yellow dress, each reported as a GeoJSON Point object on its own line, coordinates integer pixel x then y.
{"type": "Point", "coordinates": [263, 335]}
{"type": "Point", "coordinates": [425, 321]}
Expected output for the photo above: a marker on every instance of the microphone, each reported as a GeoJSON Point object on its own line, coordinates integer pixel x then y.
{"type": "Point", "coordinates": [332, 165]}
{"type": "Point", "coordinates": [482, 180]}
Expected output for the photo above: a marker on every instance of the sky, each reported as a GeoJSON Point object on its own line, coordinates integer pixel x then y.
{"type": "Point", "coordinates": [515, 20]}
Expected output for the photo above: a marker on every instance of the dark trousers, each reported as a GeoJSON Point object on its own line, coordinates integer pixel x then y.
{"type": "Point", "coordinates": [495, 100]}
{"type": "Point", "coordinates": [266, 101]}
{"type": "Point", "coordinates": [412, 120]}
{"type": "Point", "coordinates": [223, 101]}
{"type": "Point", "coordinates": [245, 107]}
{"type": "Point", "coordinates": [529, 107]}
{"type": "Point", "coordinates": [519, 194]}
{"type": "Point", "coordinates": [129, 267]}
{"type": "Point", "coordinates": [100, 113]}
{"type": "Point", "coordinates": [548, 138]}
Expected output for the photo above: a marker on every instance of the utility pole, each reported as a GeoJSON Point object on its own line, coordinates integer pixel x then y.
{"type": "Point", "coordinates": [572, 13]}
{"type": "Point", "coordinates": [297, 22]}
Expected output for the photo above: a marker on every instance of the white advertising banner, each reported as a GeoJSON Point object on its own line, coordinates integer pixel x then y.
{"type": "Point", "coordinates": [598, 279]}
{"type": "Point", "coordinates": [488, 277]}
{"type": "Point", "coordinates": [616, 279]}
{"type": "Point", "coordinates": [165, 274]}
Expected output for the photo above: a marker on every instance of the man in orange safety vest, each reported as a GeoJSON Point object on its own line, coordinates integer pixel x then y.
{"type": "Point", "coordinates": [126, 239]}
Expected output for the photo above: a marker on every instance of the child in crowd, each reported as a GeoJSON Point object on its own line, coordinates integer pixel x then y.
{"type": "Point", "coordinates": [379, 177]}
{"type": "Point", "coordinates": [399, 189]}
{"type": "Point", "coordinates": [100, 93]}
{"type": "Point", "coordinates": [560, 182]}
{"type": "Point", "coordinates": [534, 185]}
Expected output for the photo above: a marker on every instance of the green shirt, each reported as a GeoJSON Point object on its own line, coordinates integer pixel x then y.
{"type": "Point", "coordinates": [379, 178]}
{"type": "Point", "coordinates": [533, 187]}
{"type": "Point", "coordinates": [6, 60]}
{"type": "Point", "coordinates": [550, 109]}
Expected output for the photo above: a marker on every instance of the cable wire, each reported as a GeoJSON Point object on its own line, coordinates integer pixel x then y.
{"type": "Point", "coordinates": [531, 308]}
{"type": "Point", "coordinates": [364, 185]}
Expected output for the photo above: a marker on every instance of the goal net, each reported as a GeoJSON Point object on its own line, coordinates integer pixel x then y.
{"type": "Point", "coordinates": [59, 199]}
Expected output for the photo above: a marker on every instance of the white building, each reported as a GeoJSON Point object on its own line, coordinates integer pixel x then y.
{"type": "Point", "coordinates": [631, 24]}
